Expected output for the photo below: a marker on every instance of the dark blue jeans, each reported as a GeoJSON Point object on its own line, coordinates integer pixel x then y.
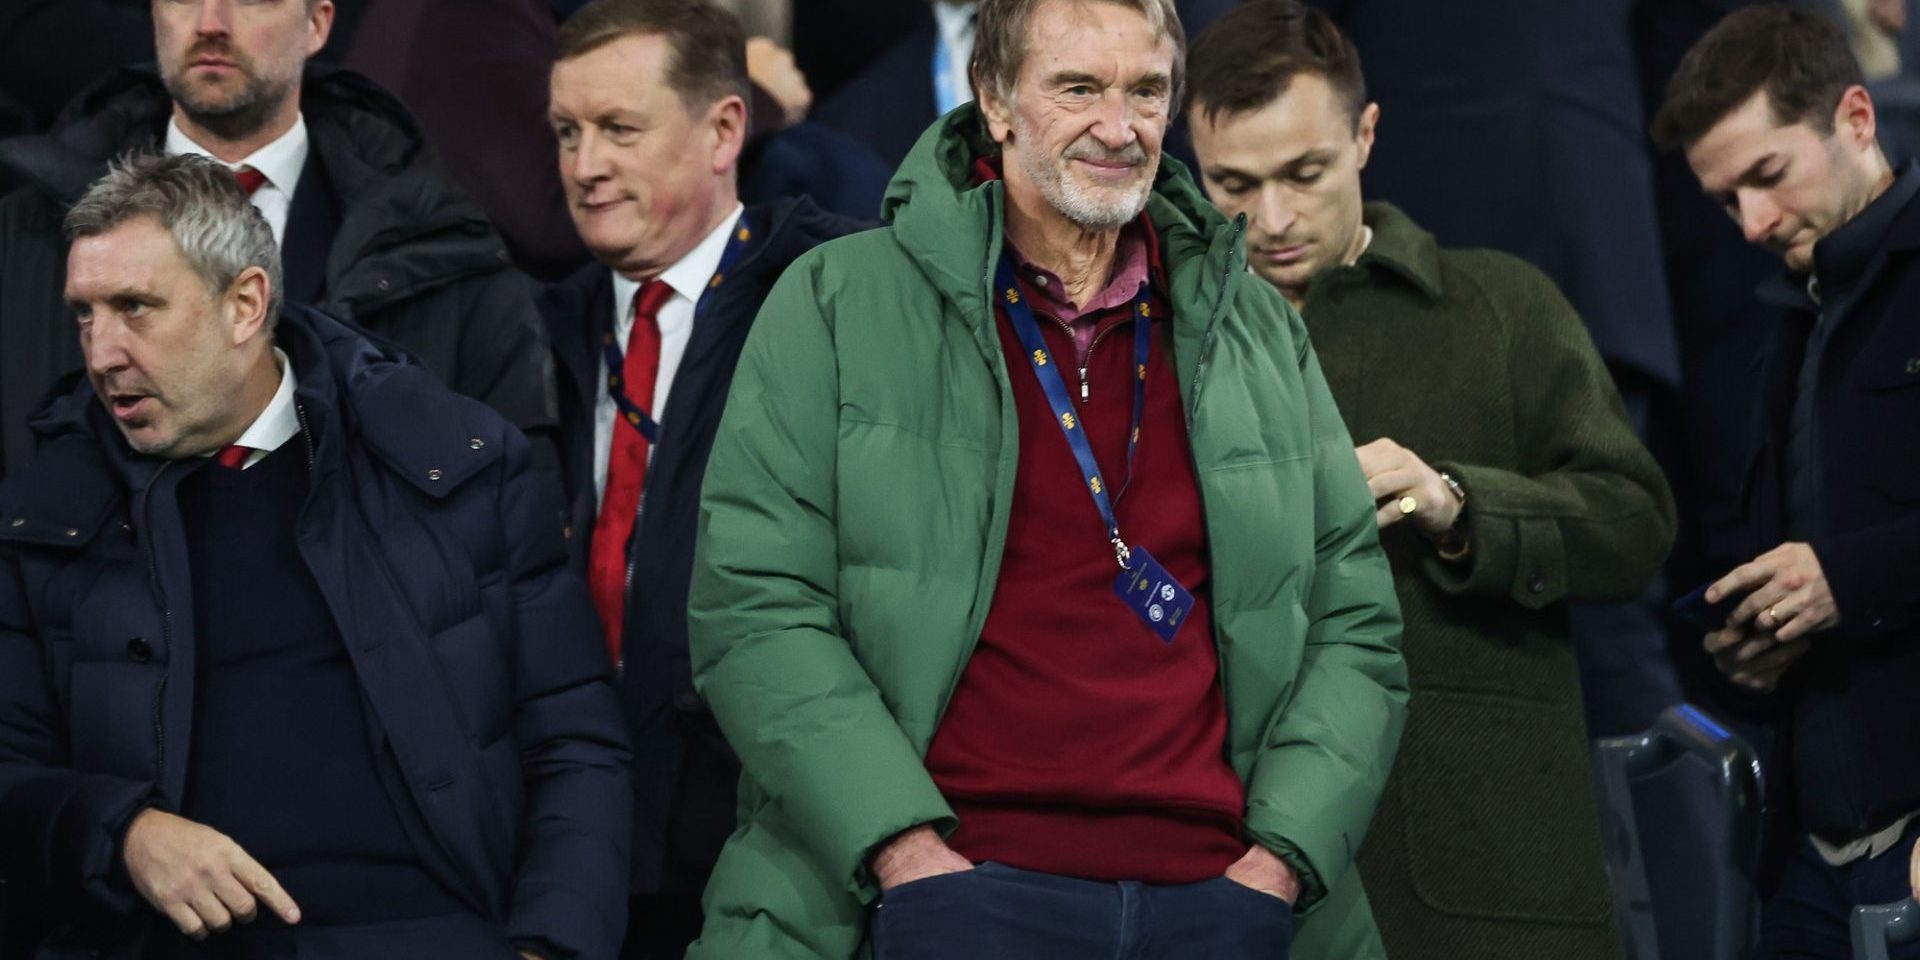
{"type": "Point", "coordinates": [1009, 914]}
{"type": "Point", "coordinates": [1807, 918]}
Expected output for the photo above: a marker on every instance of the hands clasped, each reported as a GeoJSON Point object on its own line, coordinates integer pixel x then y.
{"type": "Point", "coordinates": [1787, 600]}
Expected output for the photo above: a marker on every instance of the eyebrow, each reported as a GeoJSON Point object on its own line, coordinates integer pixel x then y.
{"type": "Point", "coordinates": [1746, 176]}
{"type": "Point", "coordinates": [1319, 155]}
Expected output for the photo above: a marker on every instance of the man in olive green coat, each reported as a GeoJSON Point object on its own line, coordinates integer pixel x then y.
{"type": "Point", "coordinates": [1508, 480]}
{"type": "Point", "coordinates": [916, 607]}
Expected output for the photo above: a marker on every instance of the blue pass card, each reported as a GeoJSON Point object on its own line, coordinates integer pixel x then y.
{"type": "Point", "coordinates": [1154, 595]}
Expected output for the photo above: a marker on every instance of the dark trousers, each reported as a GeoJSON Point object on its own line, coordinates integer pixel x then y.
{"type": "Point", "coordinates": [1807, 917]}
{"type": "Point", "coordinates": [453, 937]}
{"type": "Point", "coordinates": [997, 911]}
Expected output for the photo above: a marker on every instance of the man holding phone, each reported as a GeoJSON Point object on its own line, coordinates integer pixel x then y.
{"type": "Point", "coordinates": [1771, 112]}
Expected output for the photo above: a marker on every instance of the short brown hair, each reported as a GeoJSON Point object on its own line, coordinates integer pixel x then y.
{"type": "Point", "coordinates": [1249, 57]}
{"type": "Point", "coordinates": [1800, 58]}
{"type": "Point", "coordinates": [1000, 40]}
{"type": "Point", "coordinates": [709, 60]}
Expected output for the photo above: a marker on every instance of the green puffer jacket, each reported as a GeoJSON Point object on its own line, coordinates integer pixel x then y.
{"type": "Point", "coordinates": [852, 523]}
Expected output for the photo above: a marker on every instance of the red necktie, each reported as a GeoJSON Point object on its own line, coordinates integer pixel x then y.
{"type": "Point", "coordinates": [233, 456]}
{"type": "Point", "coordinates": [250, 179]}
{"type": "Point", "coordinates": [626, 467]}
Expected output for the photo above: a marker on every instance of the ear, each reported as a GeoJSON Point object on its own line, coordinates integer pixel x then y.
{"type": "Point", "coordinates": [319, 26]}
{"type": "Point", "coordinates": [245, 305]}
{"type": "Point", "coordinates": [727, 122]}
{"type": "Point", "coordinates": [998, 112]}
{"type": "Point", "coordinates": [1855, 118]}
{"type": "Point", "coordinates": [1363, 133]}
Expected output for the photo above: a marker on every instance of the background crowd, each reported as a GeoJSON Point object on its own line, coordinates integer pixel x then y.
{"type": "Point", "coordinates": [439, 218]}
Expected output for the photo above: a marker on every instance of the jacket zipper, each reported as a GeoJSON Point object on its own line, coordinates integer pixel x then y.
{"type": "Point", "coordinates": [1235, 252]}
{"type": "Point", "coordinates": [1097, 337]}
{"type": "Point", "coordinates": [166, 628]}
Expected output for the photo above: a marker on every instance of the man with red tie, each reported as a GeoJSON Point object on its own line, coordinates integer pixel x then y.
{"type": "Point", "coordinates": [368, 227]}
{"type": "Point", "coordinates": [648, 102]}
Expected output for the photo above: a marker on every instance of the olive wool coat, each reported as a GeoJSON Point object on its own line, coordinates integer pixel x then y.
{"type": "Point", "coordinates": [852, 524]}
{"type": "Point", "coordinates": [1486, 844]}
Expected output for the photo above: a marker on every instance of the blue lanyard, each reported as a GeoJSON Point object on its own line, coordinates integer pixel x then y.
{"type": "Point", "coordinates": [630, 411]}
{"type": "Point", "coordinates": [1047, 371]}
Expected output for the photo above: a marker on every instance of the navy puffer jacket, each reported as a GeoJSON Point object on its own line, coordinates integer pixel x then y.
{"type": "Point", "coordinates": [440, 552]}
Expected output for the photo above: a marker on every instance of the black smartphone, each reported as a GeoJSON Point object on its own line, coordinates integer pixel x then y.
{"type": "Point", "coordinates": [1695, 609]}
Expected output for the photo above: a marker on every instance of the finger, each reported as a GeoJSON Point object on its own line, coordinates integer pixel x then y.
{"type": "Point", "coordinates": [1760, 599]}
{"type": "Point", "coordinates": [211, 911]}
{"type": "Point", "coordinates": [1391, 482]}
{"type": "Point", "coordinates": [1388, 515]}
{"type": "Point", "coordinates": [187, 921]}
{"type": "Point", "coordinates": [1764, 671]}
{"type": "Point", "coordinates": [1369, 457]}
{"type": "Point", "coordinates": [1754, 647]}
{"type": "Point", "coordinates": [262, 884]}
{"type": "Point", "coordinates": [1740, 579]}
{"type": "Point", "coordinates": [1720, 640]}
{"type": "Point", "coordinates": [234, 896]}
{"type": "Point", "coordinates": [1813, 619]}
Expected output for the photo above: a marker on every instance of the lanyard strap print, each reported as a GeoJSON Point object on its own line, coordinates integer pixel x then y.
{"type": "Point", "coordinates": [631, 412]}
{"type": "Point", "coordinates": [1047, 371]}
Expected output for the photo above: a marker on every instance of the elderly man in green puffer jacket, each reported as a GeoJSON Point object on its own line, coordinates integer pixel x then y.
{"type": "Point", "coordinates": [1038, 586]}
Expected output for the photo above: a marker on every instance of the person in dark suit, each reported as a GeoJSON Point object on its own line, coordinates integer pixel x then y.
{"type": "Point", "coordinates": [290, 660]}
{"type": "Point", "coordinates": [649, 107]}
{"type": "Point", "coordinates": [1773, 116]}
{"type": "Point", "coordinates": [370, 229]}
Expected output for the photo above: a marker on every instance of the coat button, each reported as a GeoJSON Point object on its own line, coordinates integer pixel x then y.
{"type": "Point", "coordinates": [383, 285]}
{"type": "Point", "coordinates": [433, 474]}
{"type": "Point", "coordinates": [18, 522]}
{"type": "Point", "coordinates": [476, 443]}
{"type": "Point", "coordinates": [73, 532]}
{"type": "Point", "coordinates": [1913, 364]}
{"type": "Point", "coordinates": [1539, 584]}
{"type": "Point", "coordinates": [139, 651]}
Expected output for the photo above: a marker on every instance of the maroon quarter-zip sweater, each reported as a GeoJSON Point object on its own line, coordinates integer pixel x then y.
{"type": "Point", "coordinates": [1077, 743]}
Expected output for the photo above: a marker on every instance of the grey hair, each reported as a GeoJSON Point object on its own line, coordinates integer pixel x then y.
{"type": "Point", "coordinates": [1000, 42]}
{"type": "Point", "coordinates": [200, 203]}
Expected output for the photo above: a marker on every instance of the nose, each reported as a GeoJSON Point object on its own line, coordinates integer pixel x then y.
{"type": "Point", "coordinates": [1273, 213]}
{"type": "Point", "coordinates": [586, 162]}
{"type": "Point", "coordinates": [1758, 215]}
{"type": "Point", "coordinates": [105, 346]}
{"type": "Point", "coordinates": [214, 18]}
{"type": "Point", "coordinates": [1113, 121]}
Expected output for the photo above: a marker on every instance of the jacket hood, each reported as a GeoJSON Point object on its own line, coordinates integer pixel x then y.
{"type": "Point", "coordinates": [952, 226]}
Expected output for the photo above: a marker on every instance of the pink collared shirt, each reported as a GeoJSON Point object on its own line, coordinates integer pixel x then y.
{"type": "Point", "coordinates": [1132, 269]}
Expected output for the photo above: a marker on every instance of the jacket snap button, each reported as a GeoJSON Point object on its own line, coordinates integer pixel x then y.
{"type": "Point", "coordinates": [18, 522]}
{"type": "Point", "coordinates": [1913, 364]}
{"type": "Point", "coordinates": [1539, 584]}
{"type": "Point", "coordinates": [476, 443]}
{"type": "Point", "coordinates": [433, 474]}
{"type": "Point", "coordinates": [71, 532]}
{"type": "Point", "coordinates": [138, 651]}
{"type": "Point", "coordinates": [383, 286]}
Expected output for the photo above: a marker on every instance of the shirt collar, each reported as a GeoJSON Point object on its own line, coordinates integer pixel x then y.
{"type": "Point", "coordinates": [1134, 267]}
{"type": "Point", "coordinates": [690, 276]}
{"type": "Point", "coordinates": [1842, 257]}
{"type": "Point", "coordinates": [280, 161]}
{"type": "Point", "coordinates": [280, 421]}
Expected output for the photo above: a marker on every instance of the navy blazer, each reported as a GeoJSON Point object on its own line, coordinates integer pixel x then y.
{"type": "Point", "coordinates": [438, 549]}
{"type": "Point", "coordinates": [685, 775]}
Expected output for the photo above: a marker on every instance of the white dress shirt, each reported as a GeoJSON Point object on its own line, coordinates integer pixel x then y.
{"type": "Point", "coordinates": [275, 425]}
{"type": "Point", "coordinates": [280, 162]}
{"type": "Point", "coordinates": [689, 279]}
{"type": "Point", "coordinates": [955, 23]}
